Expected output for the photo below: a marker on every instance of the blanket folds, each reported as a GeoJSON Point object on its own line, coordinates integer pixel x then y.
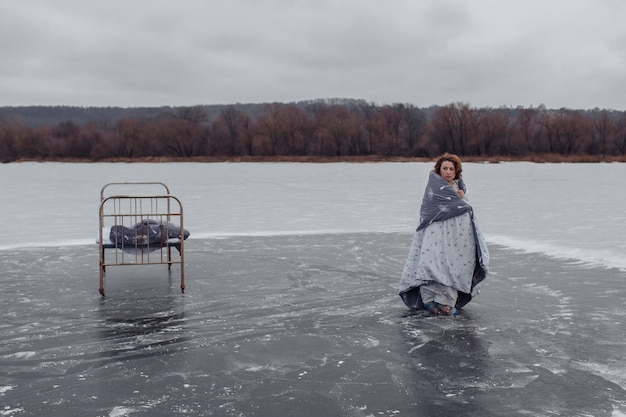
{"type": "Point", "coordinates": [441, 203]}
{"type": "Point", "coordinates": [146, 233]}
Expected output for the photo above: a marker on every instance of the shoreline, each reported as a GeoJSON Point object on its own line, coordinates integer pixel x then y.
{"type": "Point", "coordinates": [539, 158]}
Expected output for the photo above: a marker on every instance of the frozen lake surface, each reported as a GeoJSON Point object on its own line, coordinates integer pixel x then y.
{"type": "Point", "coordinates": [564, 210]}
{"type": "Point", "coordinates": [291, 305]}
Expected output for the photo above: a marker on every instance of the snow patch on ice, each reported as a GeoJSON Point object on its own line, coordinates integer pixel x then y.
{"type": "Point", "coordinates": [5, 388]}
{"type": "Point", "coordinates": [588, 256]}
{"type": "Point", "coordinates": [22, 355]}
{"type": "Point", "coordinates": [121, 411]}
{"type": "Point", "coordinates": [371, 342]}
{"type": "Point", "coordinates": [7, 411]}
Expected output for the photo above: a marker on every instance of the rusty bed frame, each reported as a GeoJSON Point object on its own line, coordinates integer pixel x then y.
{"type": "Point", "coordinates": [145, 201]}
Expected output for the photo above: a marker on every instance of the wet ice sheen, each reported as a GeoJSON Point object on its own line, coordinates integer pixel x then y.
{"type": "Point", "coordinates": [288, 317]}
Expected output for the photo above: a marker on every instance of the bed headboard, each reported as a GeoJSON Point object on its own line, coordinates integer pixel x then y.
{"type": "Point", "coordinates": [141, 222]}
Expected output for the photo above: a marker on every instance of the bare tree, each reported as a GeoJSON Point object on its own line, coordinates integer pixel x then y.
{"type": "Point", "coordinates": [414, 126]}
{"type": "Point", "coordinates": [604, 127]}
{"type": "Point", "coordinates": [527, 130]}
{"type": "Point", "coordinates": [338, 127]}
{"type": "Point", "coordinates": [620, 134]}
{"type": "Point", "coordinates": [455, 127]}
{"type": "Point", "coordinates": [128, 133]}
{"type": "Point", "coordinates": [495, 132]}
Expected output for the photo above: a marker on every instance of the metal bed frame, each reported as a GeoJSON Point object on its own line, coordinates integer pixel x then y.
{"type": "Point", "coordinates": [127, 210]}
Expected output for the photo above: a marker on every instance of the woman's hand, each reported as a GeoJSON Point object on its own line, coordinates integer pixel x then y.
{"type": "Point", "coordinates": [461, 193]}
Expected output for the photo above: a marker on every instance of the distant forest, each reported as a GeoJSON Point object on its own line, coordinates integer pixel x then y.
{"type": "Point", "coordinates": [328, 128]}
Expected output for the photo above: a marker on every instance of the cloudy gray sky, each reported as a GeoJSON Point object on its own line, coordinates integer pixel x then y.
{"type": "Point", "coordinates": [488, 53]}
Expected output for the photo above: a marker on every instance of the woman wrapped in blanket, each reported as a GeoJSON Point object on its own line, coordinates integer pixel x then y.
{"type": "Point", "coordinates": [448, 257]}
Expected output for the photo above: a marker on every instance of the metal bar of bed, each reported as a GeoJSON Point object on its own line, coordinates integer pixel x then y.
{"type": "Point", "coordinates": [125, 210]}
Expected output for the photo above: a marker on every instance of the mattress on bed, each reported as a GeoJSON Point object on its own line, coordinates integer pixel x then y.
{"type": "Point", "coordinates": [147, 234]}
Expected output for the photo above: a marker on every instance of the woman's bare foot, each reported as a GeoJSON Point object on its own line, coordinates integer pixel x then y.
{"type": "Point", "coordinates": [448, 310]}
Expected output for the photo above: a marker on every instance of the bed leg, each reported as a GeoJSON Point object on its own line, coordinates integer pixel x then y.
{"type": "Point", "coordinates": [102, 259]}
{"type": "Point", "coordinates": [102, 277]}
{"type": "Point", "coordinates": [182, 276]}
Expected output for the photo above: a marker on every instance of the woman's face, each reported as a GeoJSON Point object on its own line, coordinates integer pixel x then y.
{"type": "Point", "coordinates": [447, 170]}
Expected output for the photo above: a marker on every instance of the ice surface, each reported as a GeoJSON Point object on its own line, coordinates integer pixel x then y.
{"type": "Point", "coordinates": [291, 305]}
{"type": "Point", "coordinates": [305, 325]}
{"type": "Point", "coordinates": [564, 210]}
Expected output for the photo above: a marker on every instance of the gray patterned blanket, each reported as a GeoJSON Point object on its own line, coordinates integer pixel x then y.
{"type": "Point", "coordinates": [441, 202]}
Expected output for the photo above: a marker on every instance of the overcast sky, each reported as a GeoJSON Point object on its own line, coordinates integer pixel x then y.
{"type": "Point", "coordinates": [488, 53]}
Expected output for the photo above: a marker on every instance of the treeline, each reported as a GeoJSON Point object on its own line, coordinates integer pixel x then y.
{"type": "Point", "coordinates": [321, 128]}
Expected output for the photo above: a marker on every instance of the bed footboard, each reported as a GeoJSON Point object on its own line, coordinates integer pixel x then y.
{"type": "Point", "coordinates": [141, 227]}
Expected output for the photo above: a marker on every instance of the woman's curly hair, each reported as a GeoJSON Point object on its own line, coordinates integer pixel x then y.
{"type": "Point", "coordinates": [452, 158]}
